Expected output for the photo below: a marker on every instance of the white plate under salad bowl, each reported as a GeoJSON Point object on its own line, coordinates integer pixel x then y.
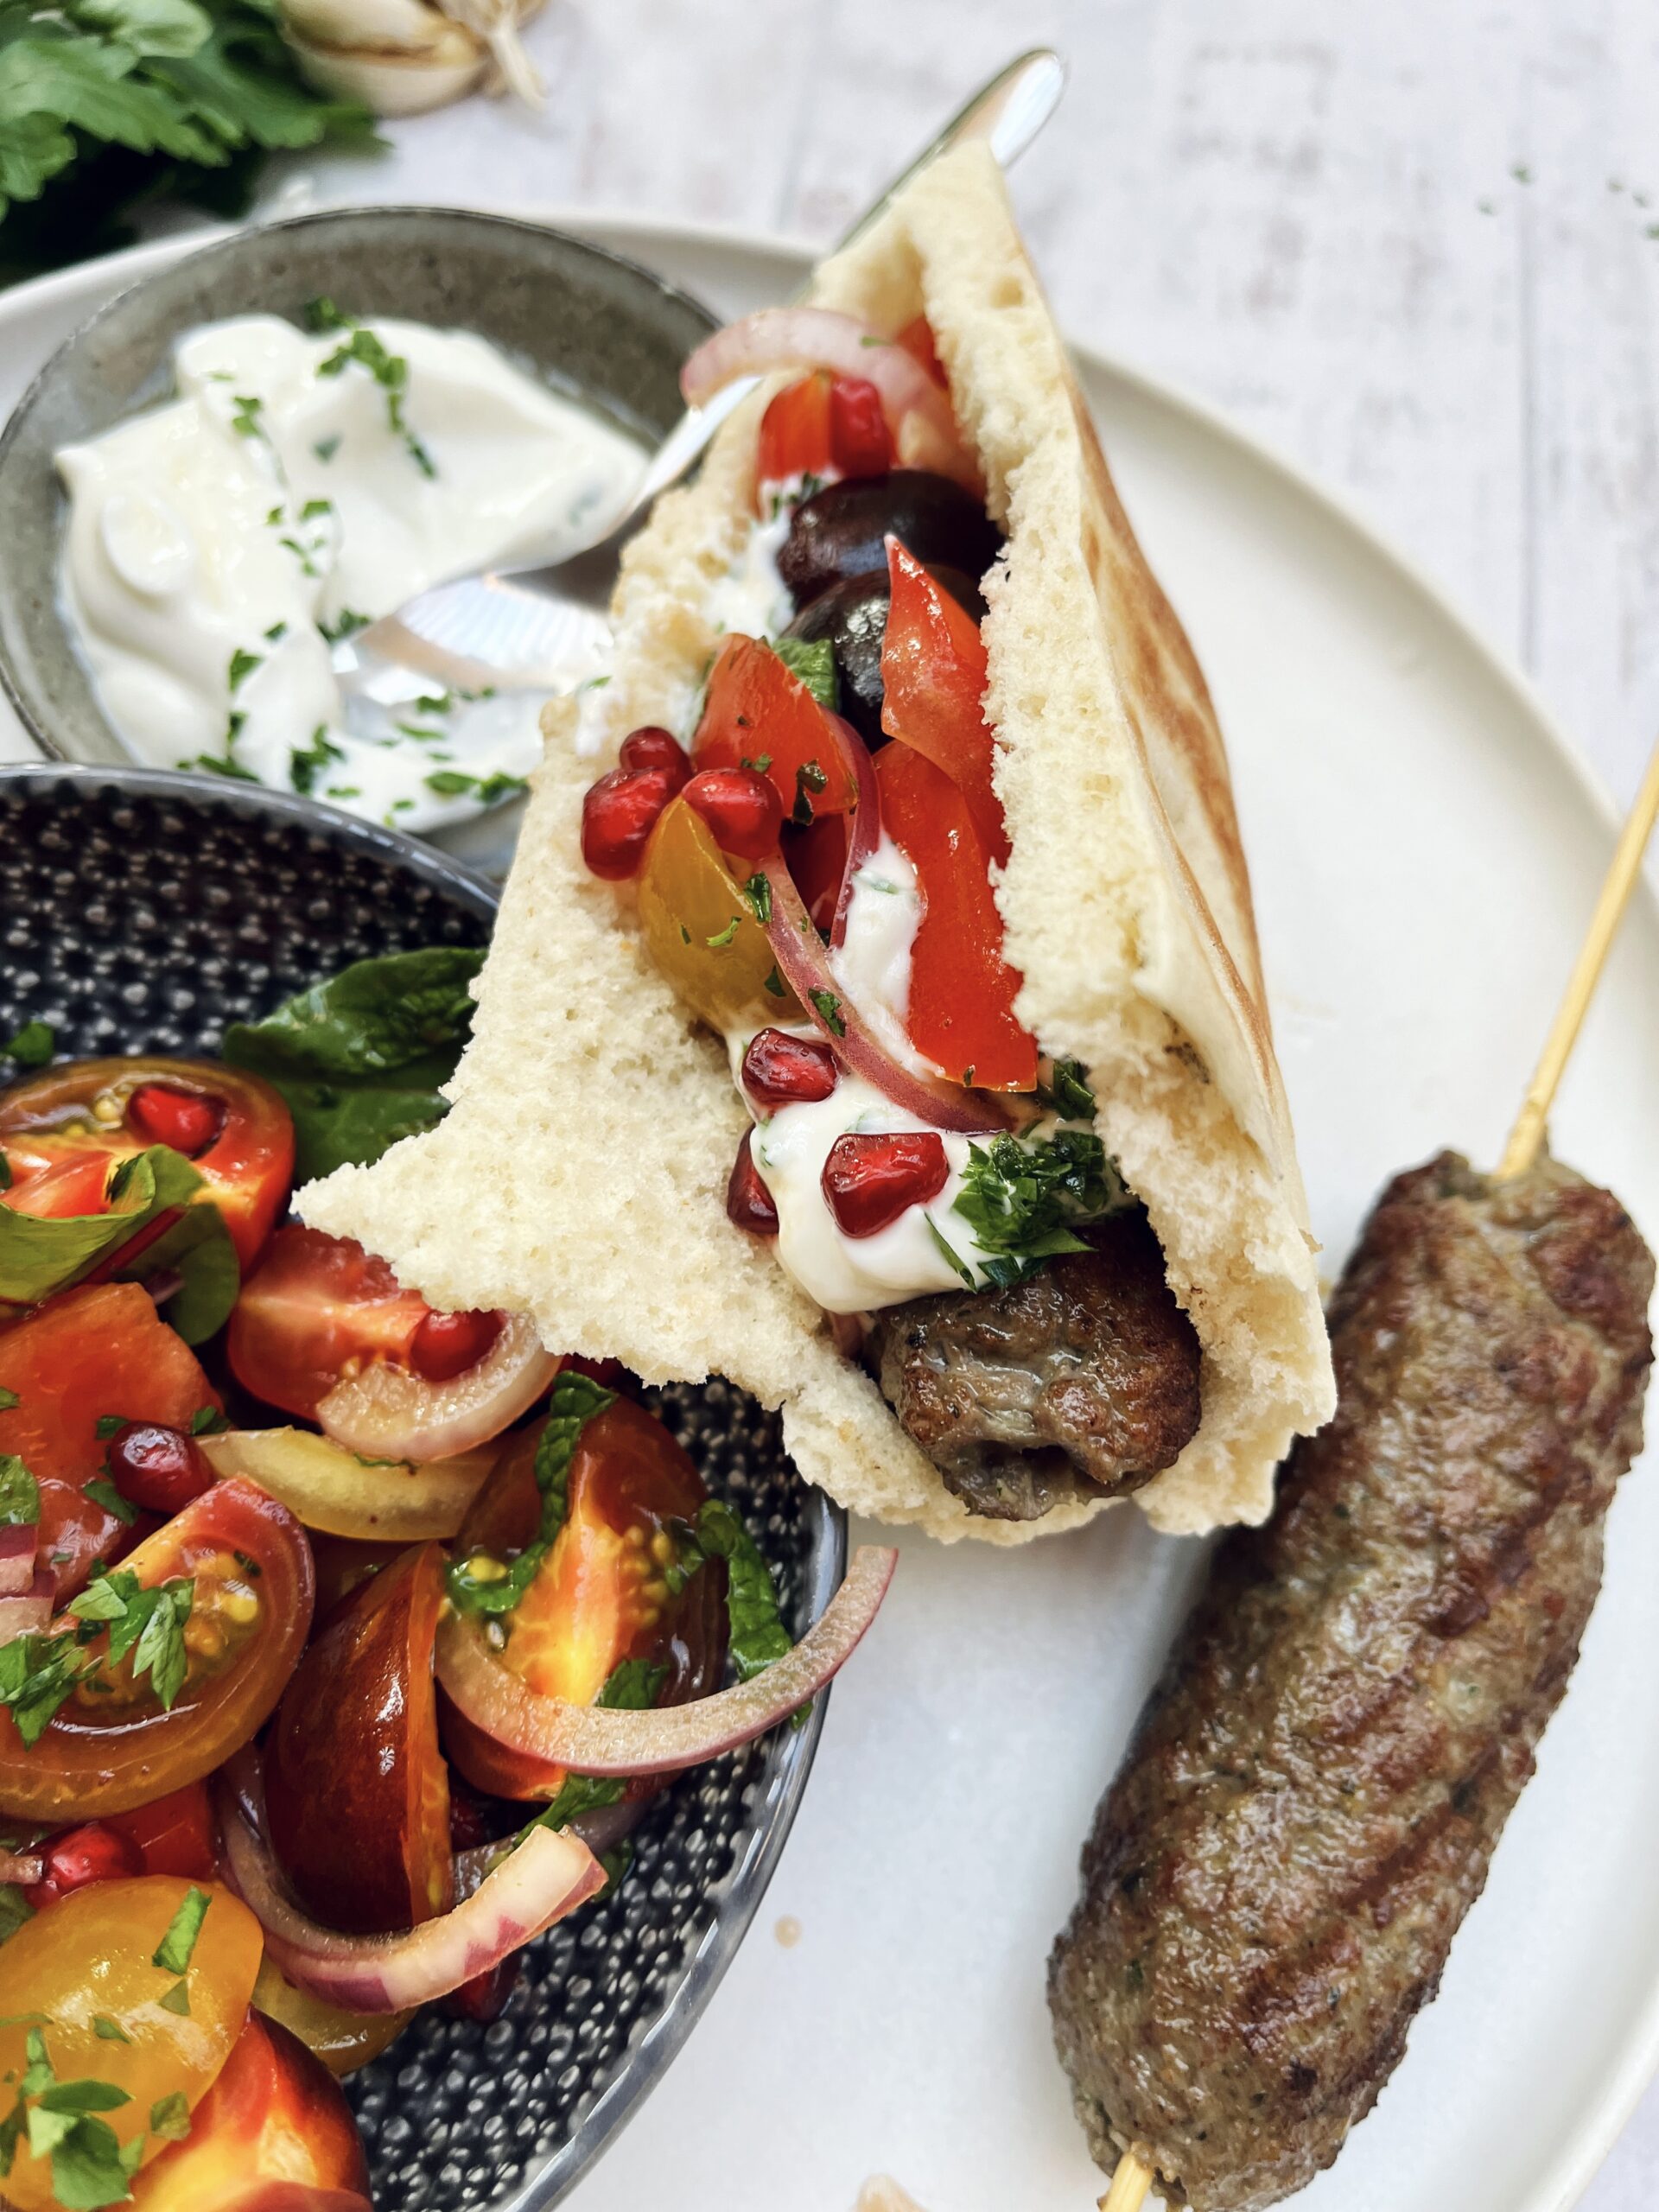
{"type": "Point", "coordinates": [1425, 847]}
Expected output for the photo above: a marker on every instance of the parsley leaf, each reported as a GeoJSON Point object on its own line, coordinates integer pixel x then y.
{"type": "Point", "coordinates": [829, 1006]}
{"type": "Point", "coordinates": [37, 1673]}
{"type": "Point", "coordinates": [170, 2117]}
{"type": "Point", "coordinates": [1067, 1093]}
{"type": "Point", "coordinates": [307, 762]}
{"type": "Point", "coordinates": [360, 1058]}
{"type": "Point", "coordinates": [758, 892]}
{"type": "Point", "coordinates": [243, 665]}
{"type": "Point", "coordinates": [103, 1491]}
{"type": "Point", "coordinates": [174, 1952]}
{"type": "Point", "coordinates": [8, 1398]}
{"type": "Point", "coordinates": [809, 778]}
{"type": "Point", "coordinates": [36, 1042]}
{"type": "Point", "coordinates": [1018, 1198]}
{"type": "Point", "coordinates": [346, 624]}
{"type": "Point", "coordinates": [88, 2168]}
{"type": "Point", "coordinates": [20, 1494]}
{"type": "Point", "coordinates": [390, 372]}
{"type": "Point", "coordinates": [576, 1399]}
{"type": "Point", "coordinates": [812, 661]}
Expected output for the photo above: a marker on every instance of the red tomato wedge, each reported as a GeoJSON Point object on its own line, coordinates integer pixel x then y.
{"type": "Point", "coordinates": [757, 710]}
{"type": "Point", "coordinates": [234, 1128]}
{"type": "Point", "coordinates": [961, 990]}
{"type": "Point", "coordinates": [599, 1597]}
{"type": "Point", "coordinates": [175, 1834]}
{"type": "Point", "coordinates": [933, 671]}
{"type": "Point", "coordinates": [825, 426]}
{"type": "Point", "coordinates": [314, 1304]}
{"type": "Point", "coordinates": [95, 1351]}
{"type": "Point", "coordinates": [917, 339]}
{"type": "Point", "coordinates": [112, 1745]}
{"type": "Point", "coordinates": [61, 1189]}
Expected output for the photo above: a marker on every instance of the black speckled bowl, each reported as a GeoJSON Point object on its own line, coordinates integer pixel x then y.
{"type": "Point", "coordinates": [590, 322]}
{"type": "Point", "coordinates": [143, 910]}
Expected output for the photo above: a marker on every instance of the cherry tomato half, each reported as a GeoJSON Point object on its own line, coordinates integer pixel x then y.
{"type": "Point", "coordinates": [112, 1745]}
{"type": "Point", "coordinates": [276, 2120]}
{"type": "Point", "coordinates": [961, 990]}
{"type": "Point", "coordinates": [823, 426]}
{"type": "Point", "coordinates": [357, 1795]}
{"type": "Point", "coordinates": [99, 1352]}
{"type": "Point", "coordinates": [175, 1834]}
{"type": "Point", "coordinates": [933, 675]}
{"type": "Point", "coordinates": [92, 1960]}
{"type": "Point", "coordinates": [756, 709]}
{"type": "Point", "coordinates": [235, 1129]}
{"type": "Point", "coordinates": [600, 1597]}
{"type": "Point", "coordinates": [700, 928]}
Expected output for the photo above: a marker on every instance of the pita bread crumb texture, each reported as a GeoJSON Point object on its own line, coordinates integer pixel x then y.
{"type": "Point", "coordinates": [580, 1174]}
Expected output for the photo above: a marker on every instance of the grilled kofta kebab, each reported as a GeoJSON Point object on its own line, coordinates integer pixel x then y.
{"type": "Point", "coordinates": [1313, 1796]}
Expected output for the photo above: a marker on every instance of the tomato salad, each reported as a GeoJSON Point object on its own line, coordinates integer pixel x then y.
{"type": "Point", "coordinates": [342, 1640]}
{"type": "Point", "coordinates": [812, 862]}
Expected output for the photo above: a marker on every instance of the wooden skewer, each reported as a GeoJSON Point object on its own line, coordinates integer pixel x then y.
{"type": "Point", "coordinates": [1130, 2182]}
{"type": "Point", "coordinates": [1527, 1137]}
{"type": "Point", "coordinates": [1133, 2178]}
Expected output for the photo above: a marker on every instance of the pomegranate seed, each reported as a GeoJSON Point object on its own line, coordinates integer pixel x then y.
{"type": "Point", "coordinates": [657, 748]}
{"type": "Point", "coordinates": [157, 1468]}
{"type": "Point", "coordinates": [618, 816]}
{"type": "Point", "coordinates": [741, 807]}
{"type": "Point", "coordinates": [182, 1120]}
{"type": "Point", "coordinates": [92, 1854]}
{"type": "Point", "coordinates": [778, 1069]}
{"type": "Point", "coordinates": [869, 1180]}
{"type": "Point", "coordinates": [446, 1344]}
{"type": "Point", "coordinates": [748, 1202]}
{"type": "Point", "coordinates": [858, 429]}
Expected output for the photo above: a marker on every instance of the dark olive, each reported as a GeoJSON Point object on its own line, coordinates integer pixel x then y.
{"type": "Point", "coordinates": [840, 531]}
{"type": "Point", "coordinates": [853, 615]}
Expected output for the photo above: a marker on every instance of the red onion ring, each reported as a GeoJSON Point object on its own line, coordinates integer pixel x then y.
{"type": "Point", "coordinates": [300, 2196]}
{"type": "Point", "coordinates": [804, 964]}
{"type": "Point", "coordinates": [387, 1412]}
{"type": "Point", "coordinates": [541, 1879]}
{"type": "Point", "coordinates": [864, 827]}
{"type": "Point", "coordinates": [29, 1614]}
{"type": "Point", "coordinates": [20, 1868]}
{"type": "Point", "coordinates": [598, 1739]}
{"type": "Point", "coordinates": [924, 428]}
{"type": "Point", "coordinates": [17, 1548]}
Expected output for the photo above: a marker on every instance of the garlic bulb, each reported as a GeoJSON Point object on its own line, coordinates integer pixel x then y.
{"type": "Point", "coordinates": [401, 57]}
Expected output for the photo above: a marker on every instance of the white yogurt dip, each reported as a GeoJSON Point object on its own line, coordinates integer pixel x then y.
{"type": "Point", "coordinates": [297, 488]}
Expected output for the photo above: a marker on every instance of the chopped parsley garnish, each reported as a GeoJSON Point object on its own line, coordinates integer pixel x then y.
{"type": "Point", "coordinates": [34, 1045]}
{"type": "Point", "coordinates": [90, 2167]}
{"type": "Point", "coordinates": [243, 664]}
{"type": "Point", "coordinates": [813, 662]}
{"type": "Point", "coordinates": [1017, 1200]}
{"type": "Point", "coordinates": [774, 984]}
{"type": "Point", "coordinates": [276, 629]}
{"type": "Point", "coordinates": [302, 554]}
{"type": "Point", "coordinates": [109, 2030]}
{"type": "Point", "coordinates": [478, 1585]}
{"type": "Point", "coordinates": [809, 778]}
{"type": "Point", "coordinates": [170, 2117]}
{"type": "Point", "coordinates": [758, 892]}
{"type": "Point", "coordinates": [307, 762]}
{"type": "Point", "coordinates": [174, 1952]}
{"type": "Point", "coordinates": [103, 1491]}
{"type": "Point", "coordinates": [829, 1006]}
{"type": "Point", "coordinates": [20, 1494]}
{"type": "Point", "coordinates": [724, 937]}
{"type": "Point", "coordinates": [312, 508]}
{"type": "Point", "coordinates": [177, 1999]}
{"type": "Point", "coordinates": [109, 1425]}
{"type": "Point", "coordinates": [208, 1421]}
{"type": "Point", "coordinates": [346, 624]}
{"type": "Point", "coordinates": [390, 372]}
{"type": "Point", "coordinates": [1067, 1093]}
{"type": "Point", "coordinates": [325, 449]}
{"type": "Point", "coordinates": [216, 767]}
{"type": "Point", "coordinates": [953, 1259]}
{"type": "Point", "coordinates": [8, 1398]}
{"type": "Point", "coordinates": [244, 416]}
{"type": "Point", "coordinates": [456, 782]}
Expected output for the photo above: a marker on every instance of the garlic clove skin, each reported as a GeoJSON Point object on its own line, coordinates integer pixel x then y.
{"type": "Point", "coordinates": [398, 57]}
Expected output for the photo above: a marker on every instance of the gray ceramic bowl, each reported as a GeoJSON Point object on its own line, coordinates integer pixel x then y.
{"type": "Point", "coordinates": [141, 911]}
{"type": "Point", "coordinates": [593, 324]}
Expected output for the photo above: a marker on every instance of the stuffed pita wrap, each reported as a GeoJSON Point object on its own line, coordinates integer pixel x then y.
{"type": "Point", "coordinates": [875, 1016]}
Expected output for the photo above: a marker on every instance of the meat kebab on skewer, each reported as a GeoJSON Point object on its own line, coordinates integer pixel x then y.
{"type": "Point", "coordinates": [1311, 1802]}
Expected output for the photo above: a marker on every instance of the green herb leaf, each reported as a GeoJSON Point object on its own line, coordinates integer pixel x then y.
{"type": "Point", "coordinates": [37, 1673]}
{"type": "Point", "coordinates": [208, 1421]}
{"type": "Point", "coordinates": [812, 660]}
{"type": "Point", "coordinates": [578, 1792]}
{"type": "Point", "coordinates": [1018, 1198]}
{"type": "Point", "coordinates": [774, 984]}
{"type": "Point", "coordinates": [390, 372]}
{"type": "Point", "coordinates": [346, 624]}
{"type": "Point", "coordinates": [307, 762]}
{"type": "Point", "coordinates": [20, 1494]}
{"type": "Point", "coordinates": [809, 779]}
{"type": "Point", "coordinates": [360, 1058]}
{"type": "Point", "coordinates": [723, 938]}
{"type": "Point", "coordinates": [14, 1909]}
{"type": "Point", "coordinates": [953, 1259]}
{"type": "Point", "coordinates": [88, 2171]}
{"type": "Point", "coordinates": [758, 1634]}
{"type": "Point", "coordinates": [109, 1425]}
{"type": "Point", "coordinates": [8, 1398]}
{"type": "Point", "coordinates": [83, 2096]}
{"type": "Point", "coordinates": [103, 1491]}
{"type": "Point", "coordinates": [177, 1999]}
{"type": "Point", "coordinates": [576, 1399]}
{"type": "Point", "coordinates": [211, 764]}
{"type": "Point", "coordinates": [109, 2030]}
{"type": "Point", "coordinates": [170, 2117]}
{"type": "Point", "coordinates": [758, 892]}
{"type": "Point", "coordinates": [174, 1952]}
{"type": "Point", "coordinates": [243, 665]}
{"type": "Point", "coordinates": [36, 1042]}
{"type": "Point", "coordinates": [632, 1685]}
{"type": "Point", "coordinates": [1067, 1093]}
{"type": "Point", "coordinates": [829, 1006]}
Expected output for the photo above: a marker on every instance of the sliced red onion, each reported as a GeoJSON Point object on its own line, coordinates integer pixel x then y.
{"type": "Point", "coordinates": [600, 1739]}
{"type": "Point", "coordinates": [300, 2196]}
{"type": "Point", "coordinates": [541, 1879]}
{"type": "Point", "coordinates": [923, 428]}
{"type": "Point", "coordinates": [804, 964]}
{"type": "Point", "coordinates": [31, 1613]}
{"type": "Point", "coordinates": [864, 828]}
{"type": "Point", "coordinates": [17, 1548]}
{"type": "Point", "coordinates": [20, 1868]}
{"type": "Point", "coordinates": [389, 1413]}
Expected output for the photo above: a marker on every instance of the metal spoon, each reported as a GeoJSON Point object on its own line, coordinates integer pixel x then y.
{"type": "Point", "coordinates": [544, 633]}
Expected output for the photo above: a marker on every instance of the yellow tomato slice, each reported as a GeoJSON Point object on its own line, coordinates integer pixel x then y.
{"type": "Point", "coordinates": [81, 1977]}
{"type": "Point", "coordinates": [701, 929]}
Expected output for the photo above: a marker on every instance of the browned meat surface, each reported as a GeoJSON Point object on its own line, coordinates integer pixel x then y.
{"type": "Point", "coordinates": [1308, 1810]}
{"type": "Point", "coordinates": [1082, 1380]}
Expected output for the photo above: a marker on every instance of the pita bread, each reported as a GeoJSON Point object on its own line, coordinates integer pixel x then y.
{"type": "Point", "coordinates": [580, 1174]}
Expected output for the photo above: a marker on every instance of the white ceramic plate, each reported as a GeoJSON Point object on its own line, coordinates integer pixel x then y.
{"type": "Point", "coordinates": [1425, 849]}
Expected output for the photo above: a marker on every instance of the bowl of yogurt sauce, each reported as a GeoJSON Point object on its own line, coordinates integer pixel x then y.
{"type": "Point", "coordinates": [233, 469]}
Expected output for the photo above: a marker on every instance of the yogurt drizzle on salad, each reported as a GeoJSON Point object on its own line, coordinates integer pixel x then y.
{"type": "Point", "coordinates": [300, 486]}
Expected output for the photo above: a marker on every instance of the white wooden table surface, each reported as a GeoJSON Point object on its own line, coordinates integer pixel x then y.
{"type": "Point", "coordinates": [1414, 247]}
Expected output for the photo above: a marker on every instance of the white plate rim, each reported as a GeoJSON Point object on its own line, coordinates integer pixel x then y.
{"type": "Point", "coordinates": [1563, 2182]}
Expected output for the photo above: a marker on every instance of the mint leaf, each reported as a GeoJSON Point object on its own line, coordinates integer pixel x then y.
{"type": "Point", "coordinates": [20, 1494]}
{"type": "Point", "coordinates": [632, 1685]}
{"type": "Point", "coordinates": [475, 1589]}
{"type": "Point", "coordinates": [174, 1952]}
{"type": "Point", "coordinates": [758, 1634]}
{"type": "Point", "coordinates": [38, 1256]}
{"type": "Point", "coordinates": [208, 1421]}
{"type": "Point", "coordinates": [360, 1058]}
{"type": "Point", "coordinates": [36, 1042]}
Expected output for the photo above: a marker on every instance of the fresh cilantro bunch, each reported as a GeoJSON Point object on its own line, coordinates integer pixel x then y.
{"type": "Point", "coordinates": [106, 104]}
